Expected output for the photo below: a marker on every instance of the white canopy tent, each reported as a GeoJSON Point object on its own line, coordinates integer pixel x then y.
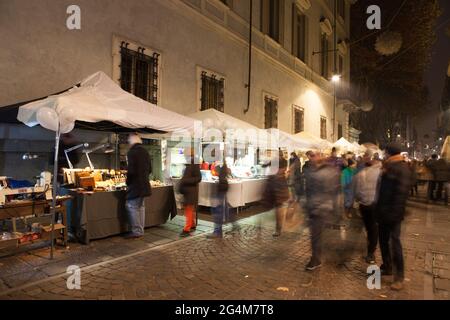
{"type": "Point", "coordinates": [343, 145]}
{"type": "Point", "coordinates": [313, 141]}
{"type": "Point", "coordinates": [219, 126]}
{"type": "Point", "coordinates": [283, 139]}
{"type": "Point", "coordinates": [98, 99]}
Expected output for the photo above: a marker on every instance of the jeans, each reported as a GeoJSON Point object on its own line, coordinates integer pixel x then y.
{"type": "Point", "coordinates": [218, 212]}
{"type": "Point", "coordinates": [136, 215]}
{"type": "Point", "coordinates": [370, 223]}
{"type": "Point", "coordinates": [390, 234]}
{"type": "Point", "coordinates": [280, 216]}
{"type": "Point", "coordinates": [316, 226]}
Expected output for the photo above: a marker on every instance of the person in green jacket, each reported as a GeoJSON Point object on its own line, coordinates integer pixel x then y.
{"type": "Point", "coordinates": [346, 183]}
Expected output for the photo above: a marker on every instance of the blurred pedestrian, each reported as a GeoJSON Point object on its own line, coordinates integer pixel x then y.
{"type": "Point", "coordinates": [414, 186]}
{"type": "Point", "coordinates": [393, 192]}
{"type": "Point", "coordinates": [188, 187]}
{"type": "Point", "coordinates": [365, 184]}
{"type": "Point", "coordinates": [338, 163]}
{"type": "Point", "coordinates": [346, 183]}
{"type": "Point", "coordinates": [219, 198]}
{"type": "Point", "coordinates": [321, 186]}
{"type": "Point", "coordinates": [276, 194]}
{"type": "Point", "coordinates": [138, 185]}
{"type": "Point", "coordinates": [294, 182]}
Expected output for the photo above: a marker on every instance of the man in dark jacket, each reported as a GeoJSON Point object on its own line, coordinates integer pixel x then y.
{"type": "Point", "coordinates": [138, 171]}
{"type": "Point", "coordinates": [321, 186]}
{"type": "Point", "coordinates": [393, 192]}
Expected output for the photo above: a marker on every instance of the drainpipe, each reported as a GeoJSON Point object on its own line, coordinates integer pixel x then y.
{"type": "Point", "coordinates": [248, 85]}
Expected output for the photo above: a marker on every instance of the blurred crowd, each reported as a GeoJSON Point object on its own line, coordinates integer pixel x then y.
{"type": "Point", "coordinates": [332, 190]}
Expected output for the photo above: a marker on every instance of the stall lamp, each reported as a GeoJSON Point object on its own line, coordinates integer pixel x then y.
{"type": "Point", "coordinates": [336, 78]}
{"type": "Point", "coordinates": [108, 149]}
{"type": "Point", "coordinates": [83, 145]}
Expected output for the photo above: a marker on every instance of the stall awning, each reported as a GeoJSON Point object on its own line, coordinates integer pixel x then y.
{"type": "Point", "coordinates": [344, 145]}
{"type": "Point", "coordinates": [313, 141]}
{"type": "Point", "coordinates": [98, 103]}
{"type": "Point", "coordinates": [289, 141]}
{"type": "Point", "coordinates": [222, 126]}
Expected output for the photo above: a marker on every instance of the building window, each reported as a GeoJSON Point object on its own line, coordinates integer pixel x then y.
{"type": "Point", "coordinates": [212, 92]}
{"type": "Point", "coordinates": [340, 131]}
{"type": "Point", "coordinates": [324, 56]}
{"type": "Point", "coordinates": [139, 73]}
{"type": "Point", "coordinates": [299, 33]}
{"type": "Point", "coordinates": [341, 65]}
{"type": "Point", "coordinates": [323, 128]}
{"type": "Point", "coordinates": [270, 112]}
{"type": "Point", "coordinates": [272, 18]}
{"type": "Point", "coordinates": [299, 119]}
{"type": "Point", "coordinates": [341, 8]}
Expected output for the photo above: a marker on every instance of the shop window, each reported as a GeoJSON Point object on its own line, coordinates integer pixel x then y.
{"type": "Point", "coordinates": [270, 113]}
{"type": "Point", "coordinates": [139, 73]}
{"type": "Point", "coordinates": [299, 119]}
{"type": "Point", "coordinates": [272, 18]}
{"type": "Point", "coordinates": [323, 128]}
{"type": "Point", "coordinates": [324, 56]}
{"type": "Point", "coordinates": [212, 92]}
{"type": "Point", "coordinates": [340, 131]}
{"type": "Point", "coordinates": [299, 34]}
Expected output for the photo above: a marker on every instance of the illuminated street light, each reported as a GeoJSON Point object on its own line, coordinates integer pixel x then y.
{"type": "Point", "coordinates": [336, 78]}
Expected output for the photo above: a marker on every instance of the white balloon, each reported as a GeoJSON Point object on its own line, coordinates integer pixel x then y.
{"type": "Point", "coordinates": [47, 118]}
{"type": "Point", "coordinates": [67, 115]}
{"type": "Point", "coordinates": [66, 128]}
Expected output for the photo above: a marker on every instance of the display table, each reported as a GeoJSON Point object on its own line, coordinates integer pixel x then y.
{"type": "Point", "coordinates": [98, 215]}
{"type": "Point", "coordinates": [240, 193]}
{"type": "Point", "coordinates": [253, 190]}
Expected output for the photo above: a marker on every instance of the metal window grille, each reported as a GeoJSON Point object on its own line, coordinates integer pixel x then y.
{"type": "Point", "coordinates": [324, 56]}
{"type": "Point", "coordinates": [270, 113]}
{"type": "Point", "coordinates": [340, 131]}
{"type": "Point", "coordinates": [341, 65]}
{"type": "Point", "coordinates": [323, 127]}
{"type": "Point", "coordinates": [212, 92]}
{"type": "Point", "coordinates": [139, 73]}
{"type": "Point", "coordinates": [299, 34]}
{"type": "Point", "coordinates": [341, 8]}
{"type": "Point", "coordinates": [299, 120]}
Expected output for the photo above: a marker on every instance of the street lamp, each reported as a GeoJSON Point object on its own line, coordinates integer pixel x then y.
{"type": "Point", "coordinates": [336, 78]}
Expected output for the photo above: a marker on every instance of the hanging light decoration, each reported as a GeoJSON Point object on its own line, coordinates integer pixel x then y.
{"type": "Point", "coordinates": [388, 43]}
{"type": "Point", "coordinates": [367, 106]}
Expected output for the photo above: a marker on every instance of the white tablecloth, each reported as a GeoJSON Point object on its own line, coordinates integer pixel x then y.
{"type": "Point", "coordinates": [252, 190]}
{"type": "Point", "coordinates": [239, 193]}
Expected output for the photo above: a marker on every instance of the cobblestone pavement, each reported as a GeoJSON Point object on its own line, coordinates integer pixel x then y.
{"type": "Point", "coordinates": [249, 264]}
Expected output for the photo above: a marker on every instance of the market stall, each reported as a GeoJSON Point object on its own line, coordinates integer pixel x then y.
{"type": "Point", "coordinates": [343, 145]}
{"type": "Point", "coordinates": [236, 142]}
{"type": "Point", "coordinates": [98, 103]}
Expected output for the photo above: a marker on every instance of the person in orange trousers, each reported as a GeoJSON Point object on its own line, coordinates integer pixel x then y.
{"type": "Point", "coordinates": [189, 189]}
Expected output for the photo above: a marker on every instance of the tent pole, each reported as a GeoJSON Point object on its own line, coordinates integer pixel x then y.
{"type": "Point", "coordinates": [55, 182]}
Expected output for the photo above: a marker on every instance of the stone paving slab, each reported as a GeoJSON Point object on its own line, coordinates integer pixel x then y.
{"type": "Point", "coordinates": [251, 264]}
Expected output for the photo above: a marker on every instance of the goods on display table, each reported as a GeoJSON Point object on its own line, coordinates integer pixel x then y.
{"type": "Point", "coordinates": [25, 212]}
{"type": "Point", "coordinates": [98, 209]}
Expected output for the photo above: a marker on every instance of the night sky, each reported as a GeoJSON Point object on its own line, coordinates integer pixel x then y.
{"type": "Point", "coordinates": [435, 78]}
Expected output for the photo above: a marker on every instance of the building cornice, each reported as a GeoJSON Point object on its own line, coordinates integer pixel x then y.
{"type": "Point", "coordinates": [262, 44]}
